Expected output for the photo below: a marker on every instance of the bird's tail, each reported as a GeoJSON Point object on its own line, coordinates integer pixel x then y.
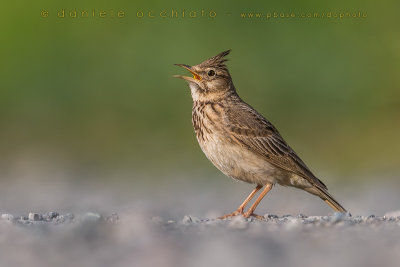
{"type": "Point", "coordinates": [328, 198]}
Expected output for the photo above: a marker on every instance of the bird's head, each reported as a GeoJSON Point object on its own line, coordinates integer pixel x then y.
{"type": "Point", "coordinates": [211, 78]}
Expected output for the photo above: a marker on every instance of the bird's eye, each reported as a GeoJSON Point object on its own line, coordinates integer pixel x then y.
{"type": "Point", "coordinates": [211, 73]}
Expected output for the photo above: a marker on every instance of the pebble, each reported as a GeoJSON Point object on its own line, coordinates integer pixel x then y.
{"type": "Point", "coordinates": [393, 214]}
{"type": "Point", "coordinates": [287, 222]}
{"type": "Point", "coordinates": [55, 218]}
{"type": "Point", "coordinates": [271, 216]}
{"type": "Point", "coordinates": [59, 219]}
{"type": "Point", "coordinates": [52, 214]}
{"type": "Point", "coordinates": [35, 216]}
{"type": "Point", "coordinates": [189, 219]}
{"type": "Point", "coordinates": [113, 218]}
{"type": "Point", "coordinates": [7, 217]}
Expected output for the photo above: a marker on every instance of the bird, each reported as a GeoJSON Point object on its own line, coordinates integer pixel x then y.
{"type": "Point", "coordinates": [242, 143]}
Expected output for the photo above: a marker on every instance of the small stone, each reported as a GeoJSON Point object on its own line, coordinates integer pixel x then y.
{"type": "Point", "coordinates": [358, 219]}
{"type": "Point", "coordinates": [52, 214]}
{"type": "Point", "coordinates": [271, 216]}
{"type": "Point", "coordinates": [7, 217]}
{"type": "Point", "coordinates": [67, 218]}
{"type": "Point", "coordinates": [250, 219]}
{"type": "Point", "coordinates": [325, 218]}
{"type": "Point", "coordinates": [34, 216]}
{"type": "Point", "coordinates": [113, 218]}
{"type": "Point", "coordinates": [59, 219]}
{"type": "Point", "coordinates": [283, 219]}
{"type": "Point", "coordinates": [301, 216]}
{"type": "Point", "coordinates": [392, 214]}
{"type": "Point", "coordinates": [313, 219]}
{"type": "Point", "coordinates": [186, 219]}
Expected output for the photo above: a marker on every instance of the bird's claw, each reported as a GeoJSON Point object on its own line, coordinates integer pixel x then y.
{"type": "Point", "coordinates": [240, 212]}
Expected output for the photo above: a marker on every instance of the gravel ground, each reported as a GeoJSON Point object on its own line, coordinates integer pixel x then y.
{"type": "Point", "coordinates": [92, 239]}
{"type": "Point", "coordinates": [97, 227]}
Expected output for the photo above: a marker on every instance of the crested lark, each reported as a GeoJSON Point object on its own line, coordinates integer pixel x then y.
{"type": "Point", "coordinates": [240, 142]}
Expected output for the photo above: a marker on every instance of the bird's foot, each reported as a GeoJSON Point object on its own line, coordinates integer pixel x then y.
{"type": "Point", "coordinates": [240, 212]}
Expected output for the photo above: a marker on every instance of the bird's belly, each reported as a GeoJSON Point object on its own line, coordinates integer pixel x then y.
{"type": "Point", "coordinates": [239, 163]}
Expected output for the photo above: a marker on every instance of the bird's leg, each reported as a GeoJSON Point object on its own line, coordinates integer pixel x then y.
{"type": "Point", "coordinates": [243, 205]}
{"type": "Point", "coordinates": [250, 211]}
{"type": "Point", "coordinates": [247, 200]}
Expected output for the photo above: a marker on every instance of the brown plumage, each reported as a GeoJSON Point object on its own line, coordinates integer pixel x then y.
{"type": "Point", "coordinates": [239, 141]}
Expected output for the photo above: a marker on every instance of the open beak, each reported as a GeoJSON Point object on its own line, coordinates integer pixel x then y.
{"type": "Point", "coordinates": [196, 76]}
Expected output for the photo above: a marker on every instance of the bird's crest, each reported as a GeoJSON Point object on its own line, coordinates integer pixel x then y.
{"type": "Point", "coordinates": [216, 61]}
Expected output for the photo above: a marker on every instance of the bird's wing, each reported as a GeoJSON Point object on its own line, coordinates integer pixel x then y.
{"type": "Point", "coordinates": [251, 130]}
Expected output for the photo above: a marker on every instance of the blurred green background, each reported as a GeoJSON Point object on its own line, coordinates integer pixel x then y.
{"type": "Point", "coordinates": [96, 95]}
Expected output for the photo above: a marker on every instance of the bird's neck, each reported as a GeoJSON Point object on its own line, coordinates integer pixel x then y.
{"type": "Point", "coordinates": [199, 95]}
